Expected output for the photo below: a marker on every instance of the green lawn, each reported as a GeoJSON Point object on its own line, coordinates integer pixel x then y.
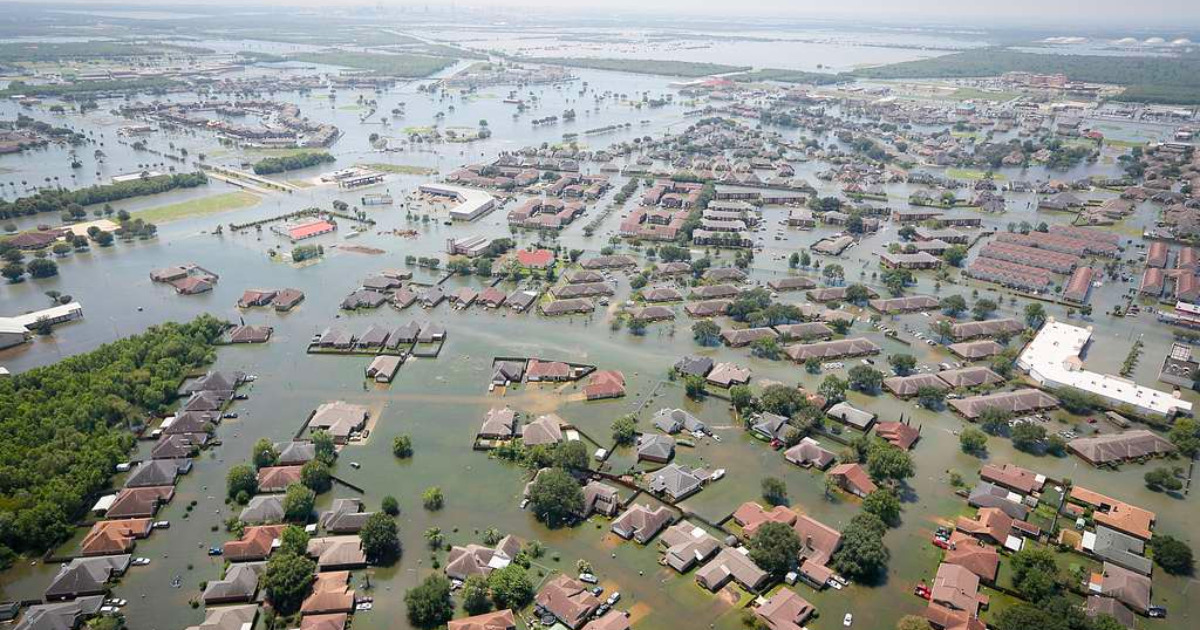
{"type": "Point", "coordinates": [971, 174]}
{"type": "Point", "coordinates": [203, 206]}
{"type": "Point", "coordinates": [402, 169]}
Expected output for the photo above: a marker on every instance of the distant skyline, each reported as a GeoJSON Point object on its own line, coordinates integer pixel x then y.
{"type": "Point", "coordinates": [1180, 14]}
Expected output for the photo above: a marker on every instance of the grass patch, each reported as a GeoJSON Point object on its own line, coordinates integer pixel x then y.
{"type": "Point", "coordinates": [644, 66]}
{"type": "Point", "coordinates": [402, 65]}
{"type": "Point", "coordinates": [203, 206]}
{"type": "Point", "coordinates": [972, 174]}
{"type": "Point", "coordinates": [400, 169]}
{"type": "Point", "coordinates": [982, 95]}
{"type": "Point", "coordinates": [785, 76]}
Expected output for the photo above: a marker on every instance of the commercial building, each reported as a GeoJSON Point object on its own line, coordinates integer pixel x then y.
{"type": "Point", "coordinates": [472, 203]}
{"type": "Point", "coordinates": [1054, 359]}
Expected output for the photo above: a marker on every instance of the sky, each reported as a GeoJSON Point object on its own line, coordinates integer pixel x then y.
{"type": "Point", "coordinates": [1029, 12]}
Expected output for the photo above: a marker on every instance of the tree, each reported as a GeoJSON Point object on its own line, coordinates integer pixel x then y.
{"type": "Point", "coordinates": [885, 504]}
{"type": "Point", "coordinates": [886, 462]}
{"type": "Point", "coordinates": [1035, 573]}
{"type": "Point", "coordinates": [840, 326]}
{"type": "Point", "coordinates": [983, 307]}
{"type": "Point", "coordinates": [298, 503]}
{"type": "Point", "coordinates": [402, 446]}
{"type": "Point", "coordinates": [264, 453]}
{"type": "Point", "coordinates": [14, 272]}
{"type": "Point", "coordinates": [793, 260]}
{"type": "Point", "coordinates": [390, 505]}
{"type": "Point", "coordinates": [287, 580]}
{"type": "Point", "coordinates": [428, 605]}
{"type": "Point", "coordinates": [706, 332]}
{"type": "Point", "coordinates": [903, 364]}
{"type": "Point", "coordinates": [953, 305]}
{"type": "Point", "coordinates": [293, 539]}
{"type": "Point", "coordinates": [994, 420]}
{"type": "Point", "coordinates": [1185, 435]}
{"type": "Point", "coordinates": [774, 491]}
{"type": "Point", "coordinates": [1027, 436]}
{"type": "Point", "coordinates": [1022, 617]}
{"type": "Point", "coordinates": [775, 548]}
{"type": "Point", "coordinates": [973, 441]}
{"type": "Point", "coordinates": [857, 294]}
{"type": "Point", "coordinates": [324, 447]}
{"type": "Point", "coordinates": [694, 386]}
{"type": "Point", "coordinates": [1035, 315]}
{"type": "Point", "coordinates": [241, 482]}
{"type": "Point", "coordinates": [865, 378]}
{"type": "Point", "coordinates": [475, 595]}
{"type": "Point", "coordinates": [741, 397]}
{"type": "Point", "coordinates": [833, 388]}
{"type": "Point", "coordinates": [316, 475]}
{"type": "Point", "coordinates": [930, 397]}
{"type": "Point", "coordinates": [812, 365]}
{"type": "Point", "coordinates": [572, 455]}
{"type": "Point", "coordinates": [805, 259]}
{"type": "Point", "coordinates": [955, 255]}
{"type": "Point", "coordinates": [862, 555]}
{"type": "Point", "coordinates": [511, 587]}
{"type": "Point", "coordinates": [766, 348]}
{"type": "Point", "coordinates": [556, 497]}
{"type": "Point", "coordinates": [624, 430]}
{"type": "Point", "coordinates": [433, 499]}
{"type": "Point", "coordinates": [782, 400]}
{"type": "Point", "coordinates": [1162, 479]}
{"type": "Point", "coordinates": [833, 273]}
{"type": "Point", "coordinates": [42, 268]}
{"type": "Point", "coordinates": [1172, 554]}
{"type": "Point", "coordinates": [380, 540]}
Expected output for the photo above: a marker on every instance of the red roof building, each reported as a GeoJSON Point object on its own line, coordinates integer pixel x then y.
{"type": "Point", "coordinates": [605, 384]}
{"type": "Point", "coordinates": [536, 259]}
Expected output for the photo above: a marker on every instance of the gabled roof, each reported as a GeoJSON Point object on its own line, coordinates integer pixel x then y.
{"type": "Point", "coordinates": [641, 523]}
{"type": "Point", "coordinates": [546, 429]}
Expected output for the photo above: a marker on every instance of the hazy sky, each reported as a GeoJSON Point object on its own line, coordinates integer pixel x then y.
{"type": "Point", "coordinates": [1029, 12]}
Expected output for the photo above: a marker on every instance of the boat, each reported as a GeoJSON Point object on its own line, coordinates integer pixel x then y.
{"type": "Point", "coordinates": [717, 474]}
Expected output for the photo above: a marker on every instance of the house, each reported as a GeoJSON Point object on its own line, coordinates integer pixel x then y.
{"type": "Point", "coordinates": [257, 542]}
{"type": "Point", "coordinates": [1017, 402]}
{"type": "Point", "coordinates": [989, 495]}
{"type": "Point", "coordinates": [340, 419]}
{"type": "Point", "coordinates": [82, 577]}
{"type": "Point", "coordinates": [611, 620]}
{"type": "Point", "coordinates": [968, 377]}
{"type": "Point", "coordinates": [1128, 587]}
{"type": "Point", "coordinates": [687, 545]}
{"type": "Point", "coordinates": [600, 498]}
{"type": "Point", "coordinates": [675, 482]}
{"type": "Point", "coordinates": [567, 307]}
{"type": "Point", "coordinates": [853, 478]}
{"type": "Point", "coordinates": [499, 424]}
{"type": "Point", "coordinates": [694, 366]}
{"type": "Point", "coordinates": [1118, 548]}
{"type": "Point", "coordinates": [331, 593]}
{"type": "Point", "coordinates": [240, 584]}
{"type": "Point", "coordinates": [287, 299]}
{"type": "Point", "coordinates": [741, 337]}
{"type": "Point", "coordinates": [277, 478]}
{"type": "Point", "coordinates": [727, 375]}
{"type": "Point", "coordinates": [673, 421]}
{"type": "Point", "coordinates": [830, 350]}
{"type": "Point", "coordinates": [731, 564]}
{"type": "Point", "coordinates": [383, 368]}
{"type": "Point", "coordinates": [228, 618]}
{"type": "Point", "coordinates": [809, 453]}
{"type": "Point", "coordinates": [178, 446]}
{"type": "Point", "coordinates": [335, 553]}
{"type": "Point", "coordinates": [707, 308]}
{"type": "Point", "coordinates": [264, 508]}
{"type": "Point", "coordinates": [295, 453]}
{"type": "Point", "coordinates": [139, 502]}
{"type": "Point", "coordinates": [114, 537]}
{"type": "Point", "coordinates": [605, 384]}
{"type": "Point", "coordinates": [1099, 605]}
{"type": "Point", "coordinates": [973, 555]}
{"type": "Point", "coordinates": [546, 429]}
{"type": "Point", "coordinates": [995, 526]}
{"type": "Point", "coordinates": [806, 331]}
{"type": "Point", "coordinates": [956, 588]}
{"type": "Point", "coordinates": [906, 386]}
{"type": "Point", "coordinates": [345, 516]}
{"type": "Point", "coordinates": [770, 427]}
{"type": "Point", "coordinates": [785, 610]}
{"type": "Point", "coordinates": [569, 600]}
{"type": "Point", "coordinates": [250, 334]}
{"type": "Point", "coordinates": [1013, 477]}
{"type": "Point", "coordinates": [655, 447]}
{"type": "Point", "coordinates": [975, 350]}
{"type": "Point", "coordinates": [256, 297]}
{"type": "Point", "coordinates": [555, 371]}
{"type": "Point", "coordinates": [463, 562]}
{"type": "Point", "coordinates": [1114, 513]}
{"type": "Point", "coordinates": [63, 615]}
{"type": "Point", "coordinates": [156, 472]}
{"type": "Point", "coordinates": [1114, 448]}
{"type": "Point", "coordinates": [750, 516]}
{"type": "Point", "coordinates": [898, 434]}
{"type": "Point", "coordinates": [495, 620]}
{"type": "Point", "coordinates": [642, 524]}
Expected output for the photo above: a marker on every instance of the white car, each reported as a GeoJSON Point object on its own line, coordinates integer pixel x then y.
{"type": "Point", "coordinates": [140, 562]}
{"type": "Point", "coordinates": [847, 620]}
{"type": "Point", "coordinates": [109, 610]}
{"type": "Point", "coordinates": [588, 577]}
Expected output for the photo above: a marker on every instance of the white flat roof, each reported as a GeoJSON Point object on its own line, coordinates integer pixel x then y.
{"type": "Point", "coordinates": [470, 199]}
{"type": "Point", "coordinates": [1053, 356]}
{"type": "Point", "coordinates": [31, 319]}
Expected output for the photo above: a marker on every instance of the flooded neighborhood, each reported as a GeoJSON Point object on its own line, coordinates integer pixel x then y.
{"type": "Point", "coordinates": [407, 316]}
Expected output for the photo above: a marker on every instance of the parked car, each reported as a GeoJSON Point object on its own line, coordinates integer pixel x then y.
{"type": "Point", "coordinates": [161, 525]}
{"type": "Point", "coordinates": [847, 620]}
{"type": "Point", "coordinates": [140, 562]}
{"type": "Point", "coordinates": [588, 578]}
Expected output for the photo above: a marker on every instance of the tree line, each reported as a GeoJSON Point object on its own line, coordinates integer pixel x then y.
{"type": "Point", "coordinates": [64, 200]}
{"type": "Point", "coordinates": [64, 427]}
{"type": "Point", "coordinates": [272, 165]}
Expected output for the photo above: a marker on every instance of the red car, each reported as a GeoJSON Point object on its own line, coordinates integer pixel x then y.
{"type": "Point", "coordinates": [941, 543]}
{"type": "Point", "coordinates": [922, 591]}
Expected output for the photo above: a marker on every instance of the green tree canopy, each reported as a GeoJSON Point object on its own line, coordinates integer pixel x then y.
{"type": "Point", "coordinates": [556, 497]}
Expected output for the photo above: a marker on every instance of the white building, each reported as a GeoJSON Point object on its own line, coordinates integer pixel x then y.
{"type": "Point", "coordinates": [14, 330]}
{"type": "Point", "coordinates": [1053, 359]}
{"type": "Point", "coordinates": [472, 203]}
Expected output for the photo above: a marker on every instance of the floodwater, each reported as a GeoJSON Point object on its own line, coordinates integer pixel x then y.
{"type": "Point", "coordinates": [441, 402]}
